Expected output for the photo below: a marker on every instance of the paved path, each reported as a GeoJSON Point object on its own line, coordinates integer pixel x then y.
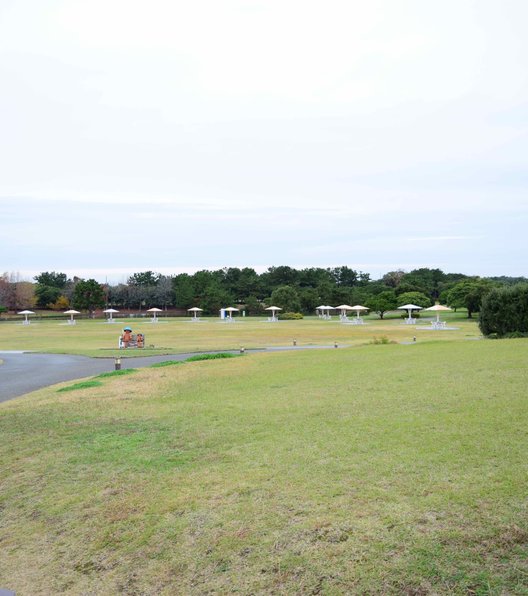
{"type": "Point", "coordinates": [23, 372]}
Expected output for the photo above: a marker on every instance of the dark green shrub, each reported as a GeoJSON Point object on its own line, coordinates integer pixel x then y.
{"type": "Point", "coordinates": [290, 316]}
{"type": "Point", "coordinates": [505, 311]}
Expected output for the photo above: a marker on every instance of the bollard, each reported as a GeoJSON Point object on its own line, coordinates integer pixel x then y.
{"type": "Point", "coordinates": [117, 364]}
{"type": "Point", "coordinates": [242, 349]}
{"type": "Point", "coordinates": [294, 342]}
{"type": "Point", "coordinates": [414, 338]}
{"type": "Point", "coordinates": [335, 344]}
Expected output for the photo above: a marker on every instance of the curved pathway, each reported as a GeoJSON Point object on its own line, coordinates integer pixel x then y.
{"type": "Point", "coordinates": [23, 372]}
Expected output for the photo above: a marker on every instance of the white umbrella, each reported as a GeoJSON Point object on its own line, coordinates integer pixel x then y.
{"type": "Point", "coordinates": [195, 310]}
{"type": "Point", "coordinates": [274, 310]}
{"type": "Point", "coordinates": [231, 310]}
{"type": "Point", "coordinates": [110, 311]}
{"type": "Point", "coordinates": [438, 308]}
{"type": "Point", "coordinates": [26, 313]}
{"type": "Point", "coordinates": [71, 312]}
{"type": "Point", "coordinates": [358, 308]}
{"type": "Point", "coordinates": [343, 308]}
{"type": "Point", "coordinates": [154, 310]}
{"type": "Point", "coordinates": [409, 308]}
{"type": "Point", "coordinates": [328, 308]}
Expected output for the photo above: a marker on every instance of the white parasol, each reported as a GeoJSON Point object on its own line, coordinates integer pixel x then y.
{"type": "Point", "coordinates": [409, 308]}
{"type": "Point", "coordinates": [154, 312]}
{"type": "Point", "coordinates": [195, 310]}
{"type": "Point", "coordinates": [438, 308]}
{"type": "Point", "coordinates": [110, 311]}
{"type": "Point", "coordinates": [26, 313]}
{"type": "Point", "coordinates": [274, 310]}
{"type": "Point", "coordinates": [71, 312]}
{"type": "Point", "coordinates": [358, 308]}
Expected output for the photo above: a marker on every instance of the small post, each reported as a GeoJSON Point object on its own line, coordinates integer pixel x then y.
{"type": "Point", "coordinates": [294, 342]}
{"type": "Point", "coordinates": [335, 344]}
{"type": "Point", "coordinates": [414, 338]}
{"type": "Point", "coordinates": [117, 363]}
{"type": "Point", "coordinates": [242, 349]}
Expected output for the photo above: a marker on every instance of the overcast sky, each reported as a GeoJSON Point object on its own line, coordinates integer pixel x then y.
{"type": "Point", "coordinates": [176, 135]}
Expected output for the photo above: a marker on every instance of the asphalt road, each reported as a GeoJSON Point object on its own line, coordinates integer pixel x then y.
{"type": "Point", "coordinates": [23, 372]}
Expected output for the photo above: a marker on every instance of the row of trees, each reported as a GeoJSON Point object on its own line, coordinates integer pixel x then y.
{"type": "Point", "coordinates": [294, 290]}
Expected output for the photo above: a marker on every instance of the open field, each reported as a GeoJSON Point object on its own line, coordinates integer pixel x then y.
{"type": "Point", "coordinates": [379, 469]}
{"type": "Point", "coordinates": [96, 338]}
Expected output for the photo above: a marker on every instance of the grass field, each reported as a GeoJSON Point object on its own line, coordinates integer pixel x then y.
{"type": "Point", "coordinates": [96, 338]}
{"type": "Point", "coordinates": [379, 469]}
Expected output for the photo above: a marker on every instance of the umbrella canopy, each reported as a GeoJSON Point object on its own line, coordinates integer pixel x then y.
{"type": "Point", "coordinates": [110, 311]}
{"type": "Point", "coordinates": [231, 309]}
{"type": "Point", "coordinates": [438, 308]}
{"type": "Point", "coordinates": [26, 313]}
{"type": "Point", "coordinates": [358, 308]}
{"type": "Point", "coordinates": [71, 312]}
{"type": "Point", "coordinates": [273, 308]}
{"type": "Point", "coordinates": [195, 309]}
{"type": "Point", "coordinates": [343, 307]}
{"type": "Point", "coordinates": [154, 310]}
{"type": "Point", "coordinates": [410, 307]}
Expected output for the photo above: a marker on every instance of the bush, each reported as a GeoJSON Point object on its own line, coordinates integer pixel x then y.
{"type": "Point", "coordinates": [290, 316]}
{"type": "Point", "coordinates": [382, 341]}
{"type": "Point", "coordinates": [515, 335]}
{"type": "Point", "coordinates": [210, 356]}
{"type": "Point", "coordinates": [505, 311]}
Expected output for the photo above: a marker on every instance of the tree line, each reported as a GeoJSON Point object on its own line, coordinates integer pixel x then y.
{"type": "Point", "coordinates": [294, 290]}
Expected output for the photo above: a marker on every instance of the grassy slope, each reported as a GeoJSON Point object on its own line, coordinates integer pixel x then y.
{"type": "Point", "coordinates": [380, 469]}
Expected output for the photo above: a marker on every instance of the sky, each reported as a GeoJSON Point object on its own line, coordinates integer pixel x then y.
{"type": "Point", "coordinates": [175, 136]}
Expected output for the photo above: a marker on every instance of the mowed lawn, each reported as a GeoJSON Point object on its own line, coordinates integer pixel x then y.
{"type": "Point", "coordinates": [379, 469]}
{"type": "Point", "coordinates": [100, 339]}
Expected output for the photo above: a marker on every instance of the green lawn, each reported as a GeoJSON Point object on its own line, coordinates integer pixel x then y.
{"type": "Point", "coordinates": [96, 338]}
{"type": "Point", "coordinates": [379, 469]}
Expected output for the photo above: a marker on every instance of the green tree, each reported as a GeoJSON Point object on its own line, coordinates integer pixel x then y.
{"type": "Point", "coordinates": [144, 279]}
{"type": "Point", "coordinates": [46, 295]}
{"type": "Point", "coordinates": [469, 294]}
{"type": "Point", "coordinates": [383, 302]}
{"type": "Point", "coordinates": [214, 298]}
{"type": "Point", "coordinates": [417, 298]}
{"type": "Point", "coordinates": [49, 287]}
{"type": "Point", "coordinates": [52, 279]}
{"type": "Point", "coordinates": [392, 279]}
{"type": "Point", "coordinates": [88, 295]}
{"type": "Point", "coordinates": [309, 299]}
{"type": "Point", "coordinates": [287, 298]}
{"type": "Point", "coordinates": [183, 290]}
